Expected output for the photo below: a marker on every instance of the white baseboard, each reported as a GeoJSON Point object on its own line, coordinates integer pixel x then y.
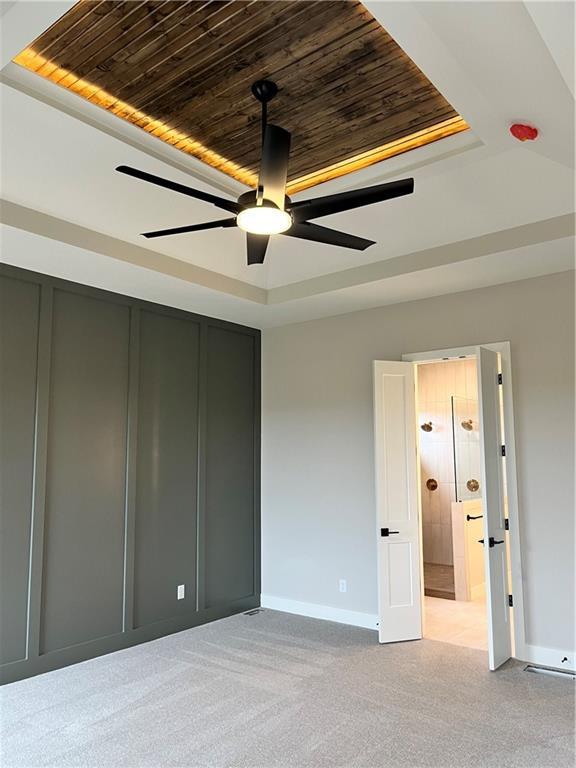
{"type": "Point", "coordinates": [532, 654]}
{"type": "Point", "coordinates": [315, 611]}
{"type": "Point", "coordinates": [548, 657]}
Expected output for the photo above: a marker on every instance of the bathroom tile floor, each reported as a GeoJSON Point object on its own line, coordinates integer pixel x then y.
{"type": "Point", "coordinates": [456, 622]}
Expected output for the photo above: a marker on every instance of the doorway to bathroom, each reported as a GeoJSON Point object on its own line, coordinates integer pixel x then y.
{"type": "Point", "coordinates": [454, 605]}
{"type": "Point", "coordinates": [481, 531]}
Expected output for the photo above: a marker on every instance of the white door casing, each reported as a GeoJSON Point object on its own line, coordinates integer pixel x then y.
{"type": "Point", "coordinates": [492, 472]}
{"type": "Point", "coordinates": [397, 502]}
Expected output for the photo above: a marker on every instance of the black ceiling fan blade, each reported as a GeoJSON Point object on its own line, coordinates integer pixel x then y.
{"type": "Point", "coordinates": [256, 247]}
{"type": "Point", "coordinates": [274, 165]}
{"type": "Point", "coordinates": [191, 228]}
{"type": "Point", "coordinates": [221, 202]}
{"type": "Point", "coordinates": [308, 231]}
{"type": "Point", "coordinates": [346, 201]}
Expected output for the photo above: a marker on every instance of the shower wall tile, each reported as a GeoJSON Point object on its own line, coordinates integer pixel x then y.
{"type": "Point", "coordinates": [427, 542]}
{"type": "Point", "coordinates": [460, 380]}
{"type": "Point", "coordinates": [448, 381]}
{"type": "Point", "coordinates": [446, 499]}
{"type": "Point", "coordinates": [435, 505]}
{"type": "Point", "coordinates": [437, 383]}
{"type": "Point", "coordinates": [445, 463]}
{"type": "Point", "coordinates": [471, 380]}
{"type": "Point", "coordinates": [446, 550]}
{"type": "Point", "coordinates": [433, 543]}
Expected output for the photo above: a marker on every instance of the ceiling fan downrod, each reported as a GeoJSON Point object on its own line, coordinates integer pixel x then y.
{"type": "Point", "coordinates": [264, 91]}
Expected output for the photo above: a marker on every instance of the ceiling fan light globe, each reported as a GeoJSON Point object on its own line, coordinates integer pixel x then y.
{"type": "Point", "coordinates": [264, 220]}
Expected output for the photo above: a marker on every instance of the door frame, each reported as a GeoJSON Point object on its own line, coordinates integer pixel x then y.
{"type": "Point", "coordinates": [503, 349]}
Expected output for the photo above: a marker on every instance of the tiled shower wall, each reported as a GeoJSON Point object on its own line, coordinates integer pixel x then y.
{"type": "Point", "coordinates": [437, 382]}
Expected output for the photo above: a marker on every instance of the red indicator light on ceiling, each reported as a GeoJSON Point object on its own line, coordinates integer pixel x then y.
{"type": "Point", "coordinates": [523, 132]}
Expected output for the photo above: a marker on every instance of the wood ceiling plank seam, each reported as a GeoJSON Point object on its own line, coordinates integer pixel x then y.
{"type": "Point", "coordinates": [213, 58]}
{"type": "Point", "coordinates": [247, 103]}
{"type": "Point", "coordinates": [248, 75]}
{"type": "Point", "coordinates": [185, 116]}
{"type": "Point", "coordinates": [143, 21]}
{"type": "Point", "coordinates": [158, 81]}
{"type": "Point", "coordinates": [340, 159]}
{"type": "Point", "coordinates": [407, 144]}
{"type": "Point", "coordinates": [387, 106]}
{"type": "Point", "coordinates": [146, 75]}
{"type": "Point", "coordinates": [304, 167]}
{"type": "Point", "coordinates": [320, 117]}
{"type": "Point", "coordinates": [313, 48]}
{"type": "Point", "coordinates": [106, 32]}
{"type": "Point", "coordinates": [376, 139]}
{"type": "Point", "coordinates": [62, 26]}
{"type": "Point", "coordinates": [330, 173]}
{"type": "Point", "coordinates": [75, 38]}
{"type": "Point", "coordinates": [194, 105]}
{"type": "Point", "coordinates": [190, 147]}
{"type": "Point", "coordinates": [130, 50]}
{"type": "Point", "coordinates": [377, 154]}
{"type": "Point", "coordinates": [400, 110]}
{"type": "Point", "coordinates": [395, 69]}
{"type": "Point", "coordinates": [244, 101]}
{"type": "Point", "coordinates": [288, 117]}
{"type": "Point", "coordinates": [124, 50]}
{"type": "Point", "coordinates": [343, 68]}
{"type": "Point", "coordinates": [416, 70]}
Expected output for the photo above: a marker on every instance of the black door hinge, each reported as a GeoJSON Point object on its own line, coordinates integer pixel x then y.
{"type": "Point", "coordinates": [510, 601]}
{"type": "Point", "coordinates": [503, 449]}
{"type": "Point", "coordinates": [506, 524]}
{"type": "Point", "coordinates": [499, 378]}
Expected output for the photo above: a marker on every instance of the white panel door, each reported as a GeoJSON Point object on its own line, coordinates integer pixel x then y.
{"type": "Point", "coordinates": [397, 502]}
{"type": "Point", "coordinates": [498, 611]}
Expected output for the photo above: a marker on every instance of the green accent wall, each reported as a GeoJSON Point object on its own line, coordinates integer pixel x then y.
{"type": "Point", "coordinates": [129, 466]}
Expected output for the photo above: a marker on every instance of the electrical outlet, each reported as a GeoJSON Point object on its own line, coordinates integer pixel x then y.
{"type": "Point", "coordinates": [342, 585]}
{"type": "Point", "coordinates": [181, 591]}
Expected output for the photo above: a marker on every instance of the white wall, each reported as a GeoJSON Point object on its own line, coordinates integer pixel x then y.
{"type": "Point", "coordinates": [318, 516]}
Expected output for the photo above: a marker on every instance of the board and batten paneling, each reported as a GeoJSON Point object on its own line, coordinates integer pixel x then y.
{"type": "Point", "coordinates": [167, 459]}
{"type": "Point", "coordinates": [19, 311]}
{"type": "Point", "coordinates": [130, 466]}
{"type": "Point", "coordinates": [86, 471]}
{"type": "Point", "coordinates": [228, 525]}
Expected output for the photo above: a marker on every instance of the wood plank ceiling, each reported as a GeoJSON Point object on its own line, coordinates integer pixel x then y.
{"type": "Point", "coordinates": [182, 71]}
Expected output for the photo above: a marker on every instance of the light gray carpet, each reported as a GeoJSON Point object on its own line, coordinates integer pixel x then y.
{"type": "Point", "coordinates": [278, 690]}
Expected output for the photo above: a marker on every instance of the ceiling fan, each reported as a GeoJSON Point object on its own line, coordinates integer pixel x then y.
{"type": "Point", "coordinates": [268, 210]}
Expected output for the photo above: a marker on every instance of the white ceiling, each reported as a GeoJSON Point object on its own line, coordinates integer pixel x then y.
{"type": "Point", "coordinates": [495, 62]}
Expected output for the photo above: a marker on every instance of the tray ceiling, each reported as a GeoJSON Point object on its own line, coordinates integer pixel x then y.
{"type": "Point", "coordinates": [182, 71]}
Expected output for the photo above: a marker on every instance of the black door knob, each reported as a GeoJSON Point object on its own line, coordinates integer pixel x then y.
{"type": "Point", "coordinates": [387, 532]}
{"type": "Point", "coordinates": [491, 541]}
